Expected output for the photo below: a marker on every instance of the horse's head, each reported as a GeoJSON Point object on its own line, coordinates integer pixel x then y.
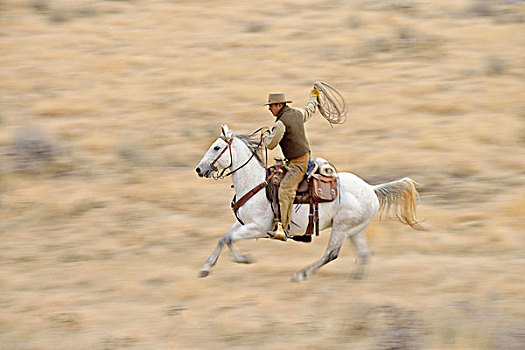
{"type": "Point", "coordinates": [217, 157]}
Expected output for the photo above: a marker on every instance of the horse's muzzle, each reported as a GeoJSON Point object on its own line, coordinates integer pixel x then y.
{"type": "Point", "coordinates": [199, 172]}
{"type": "Point", "coordinates": [204, 174]}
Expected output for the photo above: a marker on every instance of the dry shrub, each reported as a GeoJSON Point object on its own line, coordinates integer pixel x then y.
{"type": "Point", "coordinates": [397, 329]}
{"type": "Point", "coordinates": [63, 11]}
{"type": "Point", "coordinates": [377, 44]}
{"type": "Point", "coordinates": [133, 154]}
{"type": "Point", "coordinates": [480, 8]}
{"type": "Point", "coordinates": [402, 6]}
{"type": "Point", "coordinates": [405, 40]}
{"type": "Point", "coordinates": [354, 22]}
{"type": "Point", "coordinates": [459, 325]}
{"type": "Point", "coordinates": [495, 65]}
{"type": "Point", "coordinates": [502, 12]}
{"type": "Point", "coordinates": [509, 16]}
{"type": "Point", "coordinates": [41, 6]}
{"type": "Point", "coordinates": [358, 324]}
{"type": "Point", "coordinates": [464, 325]}
{"type": "Point", "coordinates": [464, 169]}
{"type": "Point", "coordinates": [31, 150]}
{"type": "Point", "coordinates": [408, 38]}
{"type": "Point", "coordinates": [390, 327]}
{"type": "Point", "coordinates": [66, 321]}
{"type": "Point", "coordinates": [255, 27]}
{"type": "Point", "coordinates": [117, 342]}
{"type": "Point", "coordinates": [59, 16]}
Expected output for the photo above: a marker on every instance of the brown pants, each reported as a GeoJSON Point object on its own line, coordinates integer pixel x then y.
{"type": "Point", "coordinates": [296, 170]}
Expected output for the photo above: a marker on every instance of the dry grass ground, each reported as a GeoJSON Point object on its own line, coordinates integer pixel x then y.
{"type": "Point", "coordinates": [102, 234]}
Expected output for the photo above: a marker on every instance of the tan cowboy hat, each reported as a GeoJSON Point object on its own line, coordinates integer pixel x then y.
{"type": "Point", "coordinates": [276, 98]}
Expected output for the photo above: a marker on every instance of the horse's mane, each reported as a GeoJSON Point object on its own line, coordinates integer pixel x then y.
{"type": "Point", "coordinates": [254, 144]}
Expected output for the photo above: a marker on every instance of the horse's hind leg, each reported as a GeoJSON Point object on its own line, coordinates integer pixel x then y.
{"type": "Point", "coordinates": [359, 241]}
{"type": "Point", "coordinates": [331, 253]}
{"type": "Point", "coordinates": [340, 231]}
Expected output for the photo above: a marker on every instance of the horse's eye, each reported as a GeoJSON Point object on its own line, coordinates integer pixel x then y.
{"type": "Point", "coordinates": [216, 148]}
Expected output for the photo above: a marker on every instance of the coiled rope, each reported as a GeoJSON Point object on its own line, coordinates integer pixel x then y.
{"type": "Point", "coordinates": [332, 105]}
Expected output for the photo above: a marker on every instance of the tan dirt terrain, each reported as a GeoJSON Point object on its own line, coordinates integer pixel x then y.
{"type": "Point", "coordinates": [106, 107]}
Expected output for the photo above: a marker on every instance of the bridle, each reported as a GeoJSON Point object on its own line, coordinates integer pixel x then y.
{"type": "Point", "coordinates": [213, 167]}
{"type": "Point", "coordinates": [236, 204]}
{"type": "Point", "coordinates": [212, 164]}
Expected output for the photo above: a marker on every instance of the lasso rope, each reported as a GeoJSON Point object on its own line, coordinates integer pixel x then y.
{"type": "Point", "coordinates": [332, 105]}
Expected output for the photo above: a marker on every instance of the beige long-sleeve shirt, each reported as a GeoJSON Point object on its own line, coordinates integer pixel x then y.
{"type": "Point", "coordinates": [272, 137]}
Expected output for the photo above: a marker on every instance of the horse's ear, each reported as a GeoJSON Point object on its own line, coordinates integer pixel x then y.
{"type": "Point", "coordinates": [226, 133]}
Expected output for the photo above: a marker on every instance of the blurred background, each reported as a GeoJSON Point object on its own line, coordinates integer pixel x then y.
{"type": "Point", "coordinates": [106, 107]}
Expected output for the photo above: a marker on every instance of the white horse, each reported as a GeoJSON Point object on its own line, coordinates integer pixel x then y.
{"type": "Point", "coordinates": [349, 215]}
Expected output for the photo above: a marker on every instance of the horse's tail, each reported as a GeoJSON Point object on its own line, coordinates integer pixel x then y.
{"type": "Point", "coordinates": [397, 200]}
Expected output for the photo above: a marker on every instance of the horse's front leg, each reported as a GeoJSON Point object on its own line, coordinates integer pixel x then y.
{"type": "Point", "coordinates": [238, 257]}
{"type": "Point", "coordinates": [212, 259]}
{"type": "Point", "coordinates": [237, 232]}
{"type": "Point", "coordinates": [214, 256]}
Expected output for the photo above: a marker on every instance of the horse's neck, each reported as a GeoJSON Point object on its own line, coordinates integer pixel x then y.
{"type": "Point", "coordinates": [248, 176]}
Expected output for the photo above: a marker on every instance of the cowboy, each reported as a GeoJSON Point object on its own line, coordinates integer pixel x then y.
{"type": "Point", "coordinates": [288, 131]}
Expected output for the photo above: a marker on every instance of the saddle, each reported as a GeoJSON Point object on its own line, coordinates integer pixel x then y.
{"type": "Point", "coordinates": [319, 185]}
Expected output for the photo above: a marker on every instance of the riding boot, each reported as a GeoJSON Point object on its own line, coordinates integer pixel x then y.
{"type": "Point", "coordinates": [278, 233]}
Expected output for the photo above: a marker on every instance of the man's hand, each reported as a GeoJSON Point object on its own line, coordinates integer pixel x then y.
{"type": "Point", "coordinates": [314, 92]}
{"type": "Point", "coordinates": [264, 130]}
{"type": "Point", "coordinates": [265, 133]}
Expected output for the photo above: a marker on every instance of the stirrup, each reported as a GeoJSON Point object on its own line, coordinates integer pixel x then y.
{"type": "Point", "coordinates": [278, 233]}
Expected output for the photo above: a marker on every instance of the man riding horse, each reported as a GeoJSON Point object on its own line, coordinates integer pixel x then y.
{"type": "Point", "coordinates": [288, 131]}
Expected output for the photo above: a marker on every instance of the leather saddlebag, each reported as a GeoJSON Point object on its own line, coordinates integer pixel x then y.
{"type": "Point", "coordinates": [324, 188]}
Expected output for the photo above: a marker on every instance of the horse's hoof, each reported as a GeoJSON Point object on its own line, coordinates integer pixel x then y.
{"type": "Point", "coordinates": [203, 273]}
{"type": "Point", "coordinates": [357, 276]}
{"type": "Point", "coordinates": [297, 277]}
{"type": "Point", "coordinates": [245, 259]}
